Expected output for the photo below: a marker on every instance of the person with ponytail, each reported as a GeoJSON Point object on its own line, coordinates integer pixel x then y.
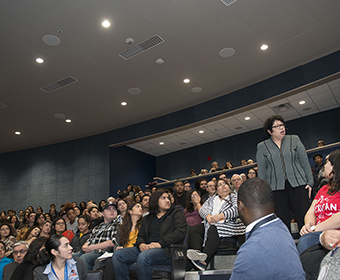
{"type": "Point", "coordinates": [60, 264]}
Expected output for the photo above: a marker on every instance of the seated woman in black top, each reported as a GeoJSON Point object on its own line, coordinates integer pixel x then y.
{"type": "Point", "coordinates": [164, 225]}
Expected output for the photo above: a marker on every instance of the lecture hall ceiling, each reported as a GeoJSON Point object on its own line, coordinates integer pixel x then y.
{"type": "Point", "coordinates": [216, 46]}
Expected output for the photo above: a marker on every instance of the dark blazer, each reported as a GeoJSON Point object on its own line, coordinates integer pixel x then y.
{"type": "Point", "coordinates": [172, 230]}
{"type": "Point", "coordinates": [39, 275]}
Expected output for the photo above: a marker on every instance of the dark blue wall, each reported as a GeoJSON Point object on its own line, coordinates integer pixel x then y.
{"type": "Point", "coordinates": [294, 78]}
{"type": "Point", "coordinates": [79, 169]}
{"type": "Point", "coordinates": [130, 166]}
{"type": "Point", "coordinates": [71, 171]}
{"type": "Point", "coordinates": [310, 129]}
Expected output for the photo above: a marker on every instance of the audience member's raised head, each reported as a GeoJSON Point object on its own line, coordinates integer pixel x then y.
{"type": "Point", "coordinates": [243, 162]}
{"type": "Point", "coordinates": [229, 165]}
{"type": "Point", "coordinates": [187, 186]}
{"type": "Point", "coordinates": [178, 187]}
{"type": "Point", "coordinates": [19, 251]}
{"type": "Point", "coordinates": [321, 143]}
{"type": "Point", "coordinates": [160, 201]}
{"type": "Point", "coordinates": [236, 181]}
{"type": "Point", "coordinates": [192, 172]}
{"type": "Point", "coordinates": [211, 187]}
{"type": "Point", "coordinates": [255, 200]}
{"type": "Point", "coordinates": [251, 173]}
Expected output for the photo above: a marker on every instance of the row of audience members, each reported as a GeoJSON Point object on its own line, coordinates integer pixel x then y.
{"type": "Point", "coordinates": [219, 212]}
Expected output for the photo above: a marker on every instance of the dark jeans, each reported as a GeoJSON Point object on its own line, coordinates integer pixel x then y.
{"type": "Point", "coordinates": [296, 198]}
{"type": "Point", "coordinates": [196, 237]}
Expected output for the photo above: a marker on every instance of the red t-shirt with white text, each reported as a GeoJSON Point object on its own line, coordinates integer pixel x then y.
{"type": "Point", "coordinates": [326, 205]}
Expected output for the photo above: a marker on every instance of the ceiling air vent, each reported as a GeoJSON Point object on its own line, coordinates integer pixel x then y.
{"type": "Point", "coordinates": [228, 2]}
{"type": "Point", "coordinates": [2, 105]}
{"type": "Point", "coordinates": [279, 109]}
{"type": "Point", "coordinates": [142, 47]}
{"type": "Point", "coordinates": [59, 84]}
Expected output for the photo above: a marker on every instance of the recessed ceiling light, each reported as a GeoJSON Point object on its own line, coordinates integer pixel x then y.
{"type": "Point", "coordinates": [201, 131]}
{"type": "Point", "coordinates": [134, 91]}
{"type": "Point", "coordinates": [227, 52]}
{"type": "Point", "coordinates": [68, 121]}
{"type": "Point", "coordinates": [39, 60]}
{"type": "Point", "coordinates": [159, 61]}
{"type": "Point", "coordinates": [60, 116]}
{"type": "Point", "coordinates": [161, 143]}
{"type": "Point", "coordinates": [264, 47]}
{"type": "Point", "coordinates": [17, 132]}
{"type": "Point", "coordinates": [302, 102]}
{"type": "Point", "coordinates": [106, 23]}
{"type": "Point", "coordinates": [196, 90]}
{"type": "Point", "coordinates": [186, 81]}
{"type": "Point", "coordinates": [247, 118]}
{"type": "Point", "coordinates": [123, 103]}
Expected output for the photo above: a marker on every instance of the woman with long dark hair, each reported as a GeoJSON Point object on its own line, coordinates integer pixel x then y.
{"type": "Point", "coordinates": [7, 233]}
{"type": "Point", "coordinates": [59, 263]}
{"type": "Point", "coordinates": [323, 214]}
{"type": "Point", "coordinates": [193, 206]}
{"type": "Point", "coordinates": [84, 232]}
{"type": "Point", "coordinates": [128, 231]}
{"type": "Point", "coordinates": [32, 233]}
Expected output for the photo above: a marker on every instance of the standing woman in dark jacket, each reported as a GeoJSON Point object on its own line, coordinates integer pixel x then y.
{"type": "Point", "coordinates": [164, 225]}
{"type": "Point", "coordinates": [282, 162]}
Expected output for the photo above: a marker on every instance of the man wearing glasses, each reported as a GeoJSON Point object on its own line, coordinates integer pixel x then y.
{"type": "Point", "coordinates": [102, 238]}
{"type": "Point", "coordinates": [19, 251]}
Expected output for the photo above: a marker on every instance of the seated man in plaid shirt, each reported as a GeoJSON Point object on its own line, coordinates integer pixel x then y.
{"type": "Point", "coordinates": [102, 237]}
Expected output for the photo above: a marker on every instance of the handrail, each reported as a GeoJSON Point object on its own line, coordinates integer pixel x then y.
{"type": "Point", "coordinates": [212, 174]}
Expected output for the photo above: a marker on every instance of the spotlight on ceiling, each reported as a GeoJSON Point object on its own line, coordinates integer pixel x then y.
{"type": "Point", "coordinates": [106, 23]}
{"type": "Point", "coordinates": [264, 47]}
{"type": "Point", "coordinates": [186, 81]}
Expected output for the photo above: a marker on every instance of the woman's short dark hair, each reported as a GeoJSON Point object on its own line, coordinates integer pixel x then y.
{"type": "Point", "coordinates": [153, 203]}
{"type": "Point", "coordinates": [334, 182]}
{"type": "Point", "coordinates": [87, 219]}
{"type": "Point", "coordinates": [94, 207]}
{"type": "Point", "coordinates": [268, 124]}
{"type": "Point", "coordinates": [11, 229]}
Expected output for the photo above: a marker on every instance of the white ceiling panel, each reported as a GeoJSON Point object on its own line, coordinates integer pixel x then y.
{"type": "Point", "coordinates": [297, 32]}
{"type": "Point", "coordinates": [334, 84]}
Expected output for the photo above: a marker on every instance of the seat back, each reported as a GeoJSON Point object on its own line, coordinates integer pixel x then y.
{"type": "Point", "coordinates": [94, 275]}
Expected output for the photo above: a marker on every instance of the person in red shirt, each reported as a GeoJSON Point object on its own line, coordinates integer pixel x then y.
{"type": "Point", "coordinates": [325, 204]}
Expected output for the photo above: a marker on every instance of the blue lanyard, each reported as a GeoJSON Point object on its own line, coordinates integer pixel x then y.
{"type": "Point", "coordinates": [65, 272]}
